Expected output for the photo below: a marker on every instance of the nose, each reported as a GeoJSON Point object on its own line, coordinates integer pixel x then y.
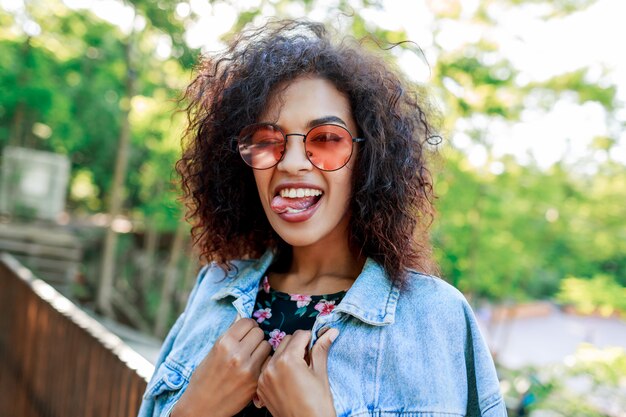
{"type": "Point", "coordinates": [294, 160]}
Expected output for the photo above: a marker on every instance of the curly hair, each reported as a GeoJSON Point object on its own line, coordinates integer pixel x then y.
{"type": "Point", "coordinates": [392, 194]}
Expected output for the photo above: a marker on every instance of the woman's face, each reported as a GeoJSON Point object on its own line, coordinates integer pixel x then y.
{"type": "Point", "coordinates": [304, 204]}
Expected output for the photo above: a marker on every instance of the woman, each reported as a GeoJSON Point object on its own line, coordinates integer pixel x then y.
{"type": "Point", "coordinates": [305, 174]}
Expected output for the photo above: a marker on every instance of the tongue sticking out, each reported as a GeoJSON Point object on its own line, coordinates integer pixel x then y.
{"type": "Point", "coordinates": [281, 205]}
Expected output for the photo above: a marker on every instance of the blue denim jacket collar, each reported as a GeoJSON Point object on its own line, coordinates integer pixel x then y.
{"type": "Point", "coordinates": [247, 277]}
{"type": "Point", "coordinates": [371, 299]}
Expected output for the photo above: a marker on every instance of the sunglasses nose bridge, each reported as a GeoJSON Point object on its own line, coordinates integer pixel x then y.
{"type": "Point", "coordinates": [294, 156]}
{"type": "Point", "coordinates": [295, 134]}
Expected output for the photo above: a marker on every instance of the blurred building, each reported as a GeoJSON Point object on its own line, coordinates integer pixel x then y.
{"type": "Point", "coordinates": [33, 183]}
{"type": "Point", "coordinates": [33, 190]}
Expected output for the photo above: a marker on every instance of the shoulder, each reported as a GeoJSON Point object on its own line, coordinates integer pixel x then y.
{"type": "Point", "coordinates": [236, 267]}
{"type": "Point", "coordinates": [428, 301]}
{"type": "Point", "coordinates": [431, 291]}
{"type": "Point", "coordinates": [437, 317]}
{"type": "Point", "coordinates": [213, 273]}
{"type": "Point", "coordinates": [212, 277]}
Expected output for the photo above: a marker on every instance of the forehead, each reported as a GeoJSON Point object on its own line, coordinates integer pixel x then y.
{"type": "Point", "coordinates": [306, 98]}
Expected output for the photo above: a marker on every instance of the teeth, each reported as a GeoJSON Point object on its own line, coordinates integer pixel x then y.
{"type": "Point", "coordinates": [299, 192]}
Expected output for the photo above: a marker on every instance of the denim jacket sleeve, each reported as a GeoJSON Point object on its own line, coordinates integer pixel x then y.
{"type": "Point", "coordinates": [484, 397]}
{"type": "Point", "coordinates": [167, 385]}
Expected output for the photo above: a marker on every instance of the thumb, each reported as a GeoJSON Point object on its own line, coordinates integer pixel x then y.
{"type": "Point", "coordinates": [258, 402]}
{"type": "Point", "coordinates": [319, 352]}
{"type": "Point", "coordinates": [256, 399]}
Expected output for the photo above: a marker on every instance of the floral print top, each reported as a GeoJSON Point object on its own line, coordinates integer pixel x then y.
{"type": "Point", "coordinates": [279, 314]}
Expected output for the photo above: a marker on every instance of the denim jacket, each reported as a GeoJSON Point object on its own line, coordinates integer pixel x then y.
{"type": "Point", "coordinates": [416, 353]}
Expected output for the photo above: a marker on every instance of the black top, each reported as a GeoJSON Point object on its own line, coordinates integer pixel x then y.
{"type": "Point", "coordinates": [280, 314]}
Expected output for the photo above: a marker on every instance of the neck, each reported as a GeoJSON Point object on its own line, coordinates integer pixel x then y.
{"type": "Point", "coordinates": [325, 260]}
{"type": "Point", "coordinates": [327, 266]}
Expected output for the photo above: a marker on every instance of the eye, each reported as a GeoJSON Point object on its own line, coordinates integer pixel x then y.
{"type": "Point", "coordinates": [266, 139]}
{"type": "Point", "coordinates": [266, 142]}
{"type": "Point", "coordinates": [325, 137]}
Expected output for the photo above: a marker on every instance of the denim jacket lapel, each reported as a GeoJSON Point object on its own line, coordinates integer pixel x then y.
{"type": "Point", "coordinates": [245, 284]}
{"type": "Point", "coordinates": [373, 297]}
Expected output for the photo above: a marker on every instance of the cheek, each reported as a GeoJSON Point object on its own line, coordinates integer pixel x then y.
{"type": "Point", "coordinates": [341, 184]}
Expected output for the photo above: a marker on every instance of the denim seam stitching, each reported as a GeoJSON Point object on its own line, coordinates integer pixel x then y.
{"type": "Point", "coordinates": [392, 292]}
{"type": "Point", "coordinates": [378, 366]}
{"type": "Point", "coordinates": [497, 401]}
{"type": "Point", "coordinates": [176, 366]}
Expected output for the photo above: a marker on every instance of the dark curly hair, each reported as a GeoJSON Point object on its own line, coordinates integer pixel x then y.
{"type": "Point", "coordinates": [391, 205]}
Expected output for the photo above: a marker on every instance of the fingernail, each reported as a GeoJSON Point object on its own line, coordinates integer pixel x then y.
{"type": "Point", "coordinates": [333, 334]}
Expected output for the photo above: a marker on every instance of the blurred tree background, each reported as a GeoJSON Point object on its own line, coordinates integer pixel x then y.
{"type": "Point", "coordinates": [98, 81]}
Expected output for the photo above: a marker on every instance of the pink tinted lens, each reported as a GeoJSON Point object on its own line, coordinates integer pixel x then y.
{"type": "Point", "coordinates": [261, 146]}
{"type": "Point", "coordinates": [329, 147]}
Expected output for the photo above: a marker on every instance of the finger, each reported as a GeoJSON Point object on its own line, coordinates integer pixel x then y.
{"type": "Point", "coordinates": [299, 343]}
{"type": "Point", "coordinates": [239, 329]}
{"type": "Point", "coordinates": [319, 352]}
{"type": "Point", "coordinates": [258, 402]}
{"type": "Point", "coordinates": [251, 341]}
{"type": "Point", "coordinates": [262, 353]}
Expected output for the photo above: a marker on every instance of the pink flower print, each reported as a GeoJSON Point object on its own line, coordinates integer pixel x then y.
{"type": "Point", "coordinates": [276, 336]}
{"type": "Point", "coordinates": [325, 307]}
{"type": "Point", "coordinates": [301, 299]}
{"type": "Point", "coordinates": [262, 314]}
{"type": "Point", "coordinates": [265, 285]}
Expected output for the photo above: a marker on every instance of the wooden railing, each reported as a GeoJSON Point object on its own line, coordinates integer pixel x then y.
{"type": "Point", "coordinates": [56, 360]}
{"type": "Point", "coordinates": [54, 253]}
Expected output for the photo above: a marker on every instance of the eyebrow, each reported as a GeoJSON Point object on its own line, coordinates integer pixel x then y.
{"type": "Point", "coordinates": [324, 120]}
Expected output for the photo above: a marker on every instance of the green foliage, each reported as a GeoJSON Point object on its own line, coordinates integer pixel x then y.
{"type": "Point", "coordinates": [514, 235]}
{"type": "Point", "coordinates": [161, 16]}
{"type": "Point", "coordinates": [74, 93]}
{"type": "Point", "coordinates": [475, 86]}
{"type": "Point", "coordinates": [71, 80]}
{"type": "Point", "coordinates": [577, 82]}
{"type": "Point", "coordinates": [600, 293]}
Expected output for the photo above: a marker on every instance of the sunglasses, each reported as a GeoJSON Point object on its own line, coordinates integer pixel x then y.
{"type": "Point", "coordinates": [327, 146]}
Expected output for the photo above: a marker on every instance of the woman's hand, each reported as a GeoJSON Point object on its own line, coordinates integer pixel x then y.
{"type": "Point", "coordinates": [226, 379]}
{"type": "Point", "coordinates": [289, 386]}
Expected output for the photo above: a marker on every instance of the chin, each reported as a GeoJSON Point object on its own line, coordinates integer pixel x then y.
{"type": "Point", "coordinates": [298, 236]}
{"type": "Point", "coordinates": [317, 229]}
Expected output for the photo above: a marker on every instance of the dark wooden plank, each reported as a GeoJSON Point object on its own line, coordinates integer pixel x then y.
{"type": "Point", "coordinates": [55, 358]}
